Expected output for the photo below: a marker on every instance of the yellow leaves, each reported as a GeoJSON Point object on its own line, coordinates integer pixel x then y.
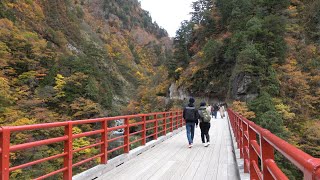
{"type": "Point", "coordinates": [4, 54]}
{"type": "Point", "coordinates": [178, 70]}
{"type": "Point", "coordinates": [10, 5]}
{"type": "Point", "coordinates": [111, 52]}
{"type": "Point", "coordinates": [141, 77]}
{"type": "Point", "coordinates": [80, 142]}
{"type": "Point", "coordinates": [60, 83]}
{"type": "Point", "coordinates": [200, 54]}
{"type": "Point", "coordinates": [15, 174]}
{"type": "Point", "coordinates": [77, 79]}
{"type": "Point", "coordinates": [5, 94]}
{"type": "Point", "coordinates": [23, 121]}
{"type": "Point", "coordinates": [284, 110]}
{"type": "Point", "coordinates": [241, 108]}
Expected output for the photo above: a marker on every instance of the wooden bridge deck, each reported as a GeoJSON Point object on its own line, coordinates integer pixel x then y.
{"type": "Point", "coordinates": [172, 159]}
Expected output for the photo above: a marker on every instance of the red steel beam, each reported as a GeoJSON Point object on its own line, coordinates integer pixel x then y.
{"type": "Point", "coordinates": [67, 161]}
{"type": "Point", "coordinates": [104, 142]}
{"type": "Point", "coordinates": [51, 174]}
{"type": "Point", "coordinates": [37, 143]}
{"type": "Point", "coordinates": [87, 160]}
{"type": "Point", "coordinates": [36, 162]}
{"type": "Point", "coordinates": [87, 147]}
{"type": "Point", "coordinates": [86, 134]}
{"type": "Point", "coordinates": [5, 154]}
{"type": "Point", "coordinates": [274, 170]}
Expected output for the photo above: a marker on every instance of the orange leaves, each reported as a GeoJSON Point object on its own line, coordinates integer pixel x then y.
{"type": "Point", "coordinates": [241, 108]}
{"type": "Point", "coordinates": [28, 9]}
{"type": "Point", "coordinates": [291, 41]}
{"type": "Point", "coordinates": [84, 108]}
{"type": "Point", "coordinates": [6, 24]}
{"type": "Point", "coordinates": [132, 108]}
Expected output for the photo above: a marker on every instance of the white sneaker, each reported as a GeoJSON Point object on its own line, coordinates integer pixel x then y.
{"type": "Point", "coordinates": [205, 144]}
{"type": "Point", "coordinates": [190, 145]}
{"type": "Point", "coordinates": [208, 143]}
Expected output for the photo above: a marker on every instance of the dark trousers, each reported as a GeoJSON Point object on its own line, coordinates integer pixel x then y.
{"type": "Point", "coordinates": [204, 127]}
{"type": "Point", "coordinates": [214, 113]}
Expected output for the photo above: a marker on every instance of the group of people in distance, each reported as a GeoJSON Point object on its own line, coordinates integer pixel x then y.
{"type": "Point", "coordinates": [202, 115]}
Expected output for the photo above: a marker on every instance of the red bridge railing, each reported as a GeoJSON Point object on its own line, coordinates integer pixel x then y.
{"type": "Point", "coordinates": [159, 123]}
{"type": "Point", "coordinates": [256, 143]}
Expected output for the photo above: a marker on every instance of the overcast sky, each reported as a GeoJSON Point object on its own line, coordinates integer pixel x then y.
{"type": "Point", "coordinates": [168, 13]}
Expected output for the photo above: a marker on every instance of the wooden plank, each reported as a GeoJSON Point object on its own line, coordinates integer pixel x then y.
{"type": "Point", "coordinates": [214, 159]}
{"type": "Point", "coordinates": [172, 159]}
{"type": "Point", "coordinates": [141, 160]}
{"type": "Point", "coordinates": [191, 171]}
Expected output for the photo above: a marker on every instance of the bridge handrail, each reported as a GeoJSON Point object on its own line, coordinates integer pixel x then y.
{"type": "Point", "coordinates": [168, 122]}
{"type": "Point", "coordinates": [246, 133]}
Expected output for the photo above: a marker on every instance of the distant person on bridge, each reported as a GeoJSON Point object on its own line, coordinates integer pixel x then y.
{"type": "Point", "coordinates": [215, 110]}
{"type": "Point", "coordinates": [222, 110]}
{"type": "Point", "coordinates": [190, 115]}
{"type": "Point", "coordinates": [204, 117]}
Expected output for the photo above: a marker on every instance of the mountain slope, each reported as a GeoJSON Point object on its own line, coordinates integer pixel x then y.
{"type": "Point", "coordinates": [88, 58]}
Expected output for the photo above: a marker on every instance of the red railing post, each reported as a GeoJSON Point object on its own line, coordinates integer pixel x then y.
{"type": "Point", "coordinates": [164, 123]}
{"type": "Point", "coordinates": [171, 122]}
{"type": "Point", "coordinates": [174, 120]}
{"type": "Point", "coordinates": [238, 133]}
{"type": "Point", "coordinates": [104, 139]}
{"type": "Point", "coordinates": [155, 127]}
{"type": "Point", "coordinates": [316, 173]}
{"type": "Point", "coordinates": [5, 154]}
{"type": "Point", "coordinates": [181, 119]}
{"type": "Point", "coordinates": [126, 136]}
{"type": "Point", "coordinates": [178, 119]}
{"type": "Point", "coordinates": [144, 128]}
{"type": "Point", "coordinates": [234, 123]}
{"type": "Point", "coordinates": [67, 161]}
{"type": "Point", "coordinates": [267, 152]}
{"type": "Point", "coordinates": [241, 137]}
{"type": "Point", "coordinates": [253, 157]}
{"type": "Point", "coordinates": [245, 146]}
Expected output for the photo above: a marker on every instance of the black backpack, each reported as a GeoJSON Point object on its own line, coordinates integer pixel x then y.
{"type": "Point", "coordinates": [190, 113]}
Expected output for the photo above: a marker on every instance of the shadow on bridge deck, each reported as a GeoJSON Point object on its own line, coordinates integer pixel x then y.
{"type": "Point", "coordinates": [172, 159]}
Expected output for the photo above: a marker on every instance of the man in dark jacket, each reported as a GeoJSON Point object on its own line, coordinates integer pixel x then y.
{"type": "Point", "coordinates": [190, 115]}
{"type": "Point", "coordinates": [215, 110]}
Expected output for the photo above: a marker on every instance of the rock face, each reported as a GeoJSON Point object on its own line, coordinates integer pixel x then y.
{"type": "Point", "coordinates": [177, 93]}
{"type": "Point", "coordinates": [244, 87]}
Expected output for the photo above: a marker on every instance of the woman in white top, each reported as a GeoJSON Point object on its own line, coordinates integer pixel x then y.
{"type": "Point", "coordinates": [222, 111]}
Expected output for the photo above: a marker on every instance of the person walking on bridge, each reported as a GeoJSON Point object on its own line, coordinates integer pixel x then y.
{"type": "Point", "coordinates": [190, 115]}
{"type": "Point", "coordinates": [222, 110]}
{"type": "Point", "coordinates": [204, 117]}
{"type": "Point", "coordinates": [215, 110]}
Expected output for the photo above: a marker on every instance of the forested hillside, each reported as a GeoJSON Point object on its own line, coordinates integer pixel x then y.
{"type": "Point", "coordinates": [77, 59]}
{"type": "Point", "coordinates": [264, 54]}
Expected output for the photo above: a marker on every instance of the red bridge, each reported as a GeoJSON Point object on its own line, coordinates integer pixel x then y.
{"type": "Point", "coordinates": [163, 152]}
